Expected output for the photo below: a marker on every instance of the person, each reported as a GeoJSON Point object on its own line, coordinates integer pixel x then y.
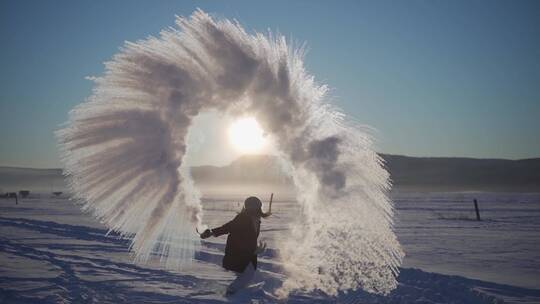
{"type": "Point", "coordinates": [242, 248]}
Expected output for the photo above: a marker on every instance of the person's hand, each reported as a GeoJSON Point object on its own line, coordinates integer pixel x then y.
{"type": "Point", "coordinates": [206, 234]}
{"type": "Point", "coordinates": [260, 248]}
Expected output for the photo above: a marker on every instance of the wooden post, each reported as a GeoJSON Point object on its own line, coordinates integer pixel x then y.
{"type": "Point", "coordinates": [270, 207]}
{"type": "Point", "coordinates": [477, 211]}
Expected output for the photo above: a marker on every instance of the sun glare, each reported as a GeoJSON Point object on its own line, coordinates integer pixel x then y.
{"type": "Point", "coordinates": [246, 135]}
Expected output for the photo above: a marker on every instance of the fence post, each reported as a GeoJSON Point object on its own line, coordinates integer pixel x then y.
{"type": "Point", "coordinates": [477, 211]}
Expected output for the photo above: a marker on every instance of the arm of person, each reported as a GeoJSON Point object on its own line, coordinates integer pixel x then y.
{"type": "Point", "coordinates": [266, 214]}
{"type": "Point", "coordinates": [225, 229]}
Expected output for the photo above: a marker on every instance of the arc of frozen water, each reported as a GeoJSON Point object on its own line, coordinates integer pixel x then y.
{"type": "Point", "coordinates": [123, 152]}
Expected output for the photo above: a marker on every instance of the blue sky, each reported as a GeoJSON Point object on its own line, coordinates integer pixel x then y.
{"type": "Point", "coordinates": [435, 78]}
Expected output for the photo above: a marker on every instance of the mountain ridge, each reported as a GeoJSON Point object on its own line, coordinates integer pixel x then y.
{"type": "Point", "coordinates": [407, 174]}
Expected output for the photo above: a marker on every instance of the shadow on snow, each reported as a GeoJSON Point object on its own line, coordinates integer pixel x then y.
{"type": "Point", "coordinates": [123, 282]}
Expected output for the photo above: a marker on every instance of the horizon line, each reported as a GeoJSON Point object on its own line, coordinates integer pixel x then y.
{"type": "Point", "coordinates": [248, 155]}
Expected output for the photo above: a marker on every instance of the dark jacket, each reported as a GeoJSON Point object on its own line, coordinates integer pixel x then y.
{"type": "Point", "coordinates": [243, 232]}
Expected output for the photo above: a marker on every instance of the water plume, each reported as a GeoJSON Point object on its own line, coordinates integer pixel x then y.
{"type": "Point", "coordinates": [123, 150]}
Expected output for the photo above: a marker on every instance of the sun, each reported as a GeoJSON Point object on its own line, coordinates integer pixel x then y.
{"type": "Point", "coordinates": [246, 135]}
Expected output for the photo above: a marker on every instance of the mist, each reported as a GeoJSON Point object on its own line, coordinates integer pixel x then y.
{"type": "Point", "coordinates": [124, 153]}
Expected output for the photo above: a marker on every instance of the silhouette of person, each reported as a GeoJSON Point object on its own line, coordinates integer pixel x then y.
{"type": "Point", "coordinates": [241, 249]}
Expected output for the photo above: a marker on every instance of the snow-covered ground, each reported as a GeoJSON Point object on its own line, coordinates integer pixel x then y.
{"type": "Point", "coordinates": [50, 252]}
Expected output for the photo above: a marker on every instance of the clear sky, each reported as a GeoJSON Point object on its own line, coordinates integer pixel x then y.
{"type": "Point", "coordinates": [435, 78]}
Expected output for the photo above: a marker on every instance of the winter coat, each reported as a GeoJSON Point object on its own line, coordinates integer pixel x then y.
{"type": "Point", "coordinates": [243, 232]}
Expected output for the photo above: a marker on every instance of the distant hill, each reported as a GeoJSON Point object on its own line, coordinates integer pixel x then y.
{"type": "Point", "coordinates": [463, 174]}
{"type": "Point", "coordinates": [407, 173]}
{"type": "Point", "coordinates": [39, 180]}
{"type": "Point", "coordinates": [246, 169]}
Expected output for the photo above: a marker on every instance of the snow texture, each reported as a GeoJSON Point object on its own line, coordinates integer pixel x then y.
{"type": "Point", "coordinates": [50, 252]}
{"type": "Point", "coordinates": [123, 151]}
